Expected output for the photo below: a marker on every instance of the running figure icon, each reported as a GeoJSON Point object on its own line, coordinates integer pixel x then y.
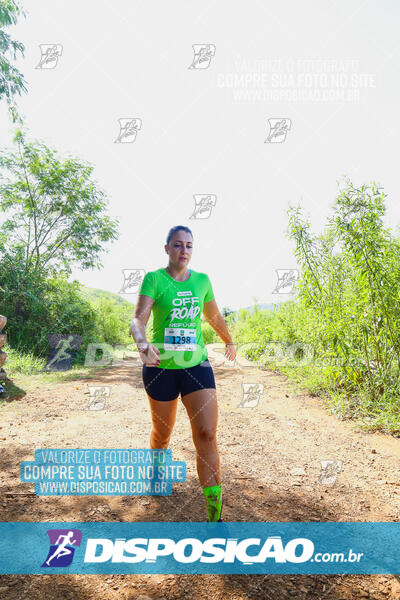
{"type": "Point", "coordinates": [62, 549]}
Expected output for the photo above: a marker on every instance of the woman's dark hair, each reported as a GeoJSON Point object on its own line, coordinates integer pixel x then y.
{"type": "Point", "coordinates": [175, 229]}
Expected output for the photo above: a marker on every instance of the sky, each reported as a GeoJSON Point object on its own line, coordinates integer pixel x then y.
{"type": "Point", "coordinates": [239, 109]}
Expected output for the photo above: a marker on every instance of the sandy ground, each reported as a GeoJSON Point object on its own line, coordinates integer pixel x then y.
{"type": "Point", "coordinates": [271, 455]}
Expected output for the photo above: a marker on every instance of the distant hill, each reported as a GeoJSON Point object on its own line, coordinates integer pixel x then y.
{"type": "Point", "coordinates": [94, 295]}
{"type": "Point", "coordinates": [261, 307]}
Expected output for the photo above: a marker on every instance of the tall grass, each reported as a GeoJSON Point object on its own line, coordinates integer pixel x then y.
{"type": "Point", "coordinates": [341, 336]}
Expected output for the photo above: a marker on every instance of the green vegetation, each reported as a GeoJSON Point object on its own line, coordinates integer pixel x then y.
{"type": "Point", "coordinates": [94, 294]}
{"type": "Point", "coordinates": [341, 337]}
{"type": "Point", "coordinates": [109, 316]}
{"type": "Point", "coordinates": [11, 80]}
{"type": "Point", "coordinates": [53, 219]}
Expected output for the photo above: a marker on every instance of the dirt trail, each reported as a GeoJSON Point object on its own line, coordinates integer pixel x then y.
{"type": "Point", "coordinates": [271, 457]}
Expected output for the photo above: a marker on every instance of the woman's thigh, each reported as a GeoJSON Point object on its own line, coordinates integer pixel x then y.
{"type": "Point", "coordinates": [200, 399]}
{"type": "Point", "coordinates": [163, 415]}
{"type": "Point", "coordinates": [162, 388]}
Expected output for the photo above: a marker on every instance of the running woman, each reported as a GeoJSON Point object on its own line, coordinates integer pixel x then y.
{"type": "Point", "coordinates": [176, 360]}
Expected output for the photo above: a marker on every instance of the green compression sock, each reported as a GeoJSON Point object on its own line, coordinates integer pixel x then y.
{"type": "Point", "coordinates": [213, 496]}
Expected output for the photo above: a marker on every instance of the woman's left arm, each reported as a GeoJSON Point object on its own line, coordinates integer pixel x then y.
{"type": "Point", "coordinates": [213, 316]}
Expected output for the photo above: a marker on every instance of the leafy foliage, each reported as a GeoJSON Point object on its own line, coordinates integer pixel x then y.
{"type": "Point", "coordinates": [11, 80]}
{"type": "Point", "coordinates": [346, 318]}
{"type": "Point", "coordinates": [54, 219]}
{"type": "Point", "coordinates": [55, 210]}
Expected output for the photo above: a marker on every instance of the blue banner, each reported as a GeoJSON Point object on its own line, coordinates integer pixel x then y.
{"type": "Point", "coordinates": [196, 548]}
{"type": "Point", "coordinates": [103, 472]}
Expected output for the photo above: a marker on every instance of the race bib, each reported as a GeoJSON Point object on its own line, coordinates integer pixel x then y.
{"type": "Point", "coordinates": [179, 339]}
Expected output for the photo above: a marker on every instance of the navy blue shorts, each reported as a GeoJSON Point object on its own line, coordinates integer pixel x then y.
{"type": "Point", "coordinates": [167, 384]}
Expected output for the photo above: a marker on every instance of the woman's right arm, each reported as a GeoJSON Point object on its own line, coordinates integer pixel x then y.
{"type": "Point", "coordinates": [147, 352]}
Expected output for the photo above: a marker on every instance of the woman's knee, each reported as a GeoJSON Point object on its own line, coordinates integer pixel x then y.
{"type": "Point", "coordinates": [205, 435]}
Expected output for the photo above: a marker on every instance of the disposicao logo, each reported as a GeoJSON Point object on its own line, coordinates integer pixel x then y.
{"type": "Point", "coordinates": [165, 551]}
{"type": "Point", "coordinates": [62, 542]}
{"type": "Point", "coordinates": [227, 550]}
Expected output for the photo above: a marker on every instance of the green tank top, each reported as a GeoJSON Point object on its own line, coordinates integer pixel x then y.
{"type": "Point", "coordinates": [177, 310]}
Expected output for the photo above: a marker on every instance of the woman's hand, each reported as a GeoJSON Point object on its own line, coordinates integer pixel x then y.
{"type": "Point", "coordinates": [230, 351]}
{"type": "Point", "coordinates": [149, 354]}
